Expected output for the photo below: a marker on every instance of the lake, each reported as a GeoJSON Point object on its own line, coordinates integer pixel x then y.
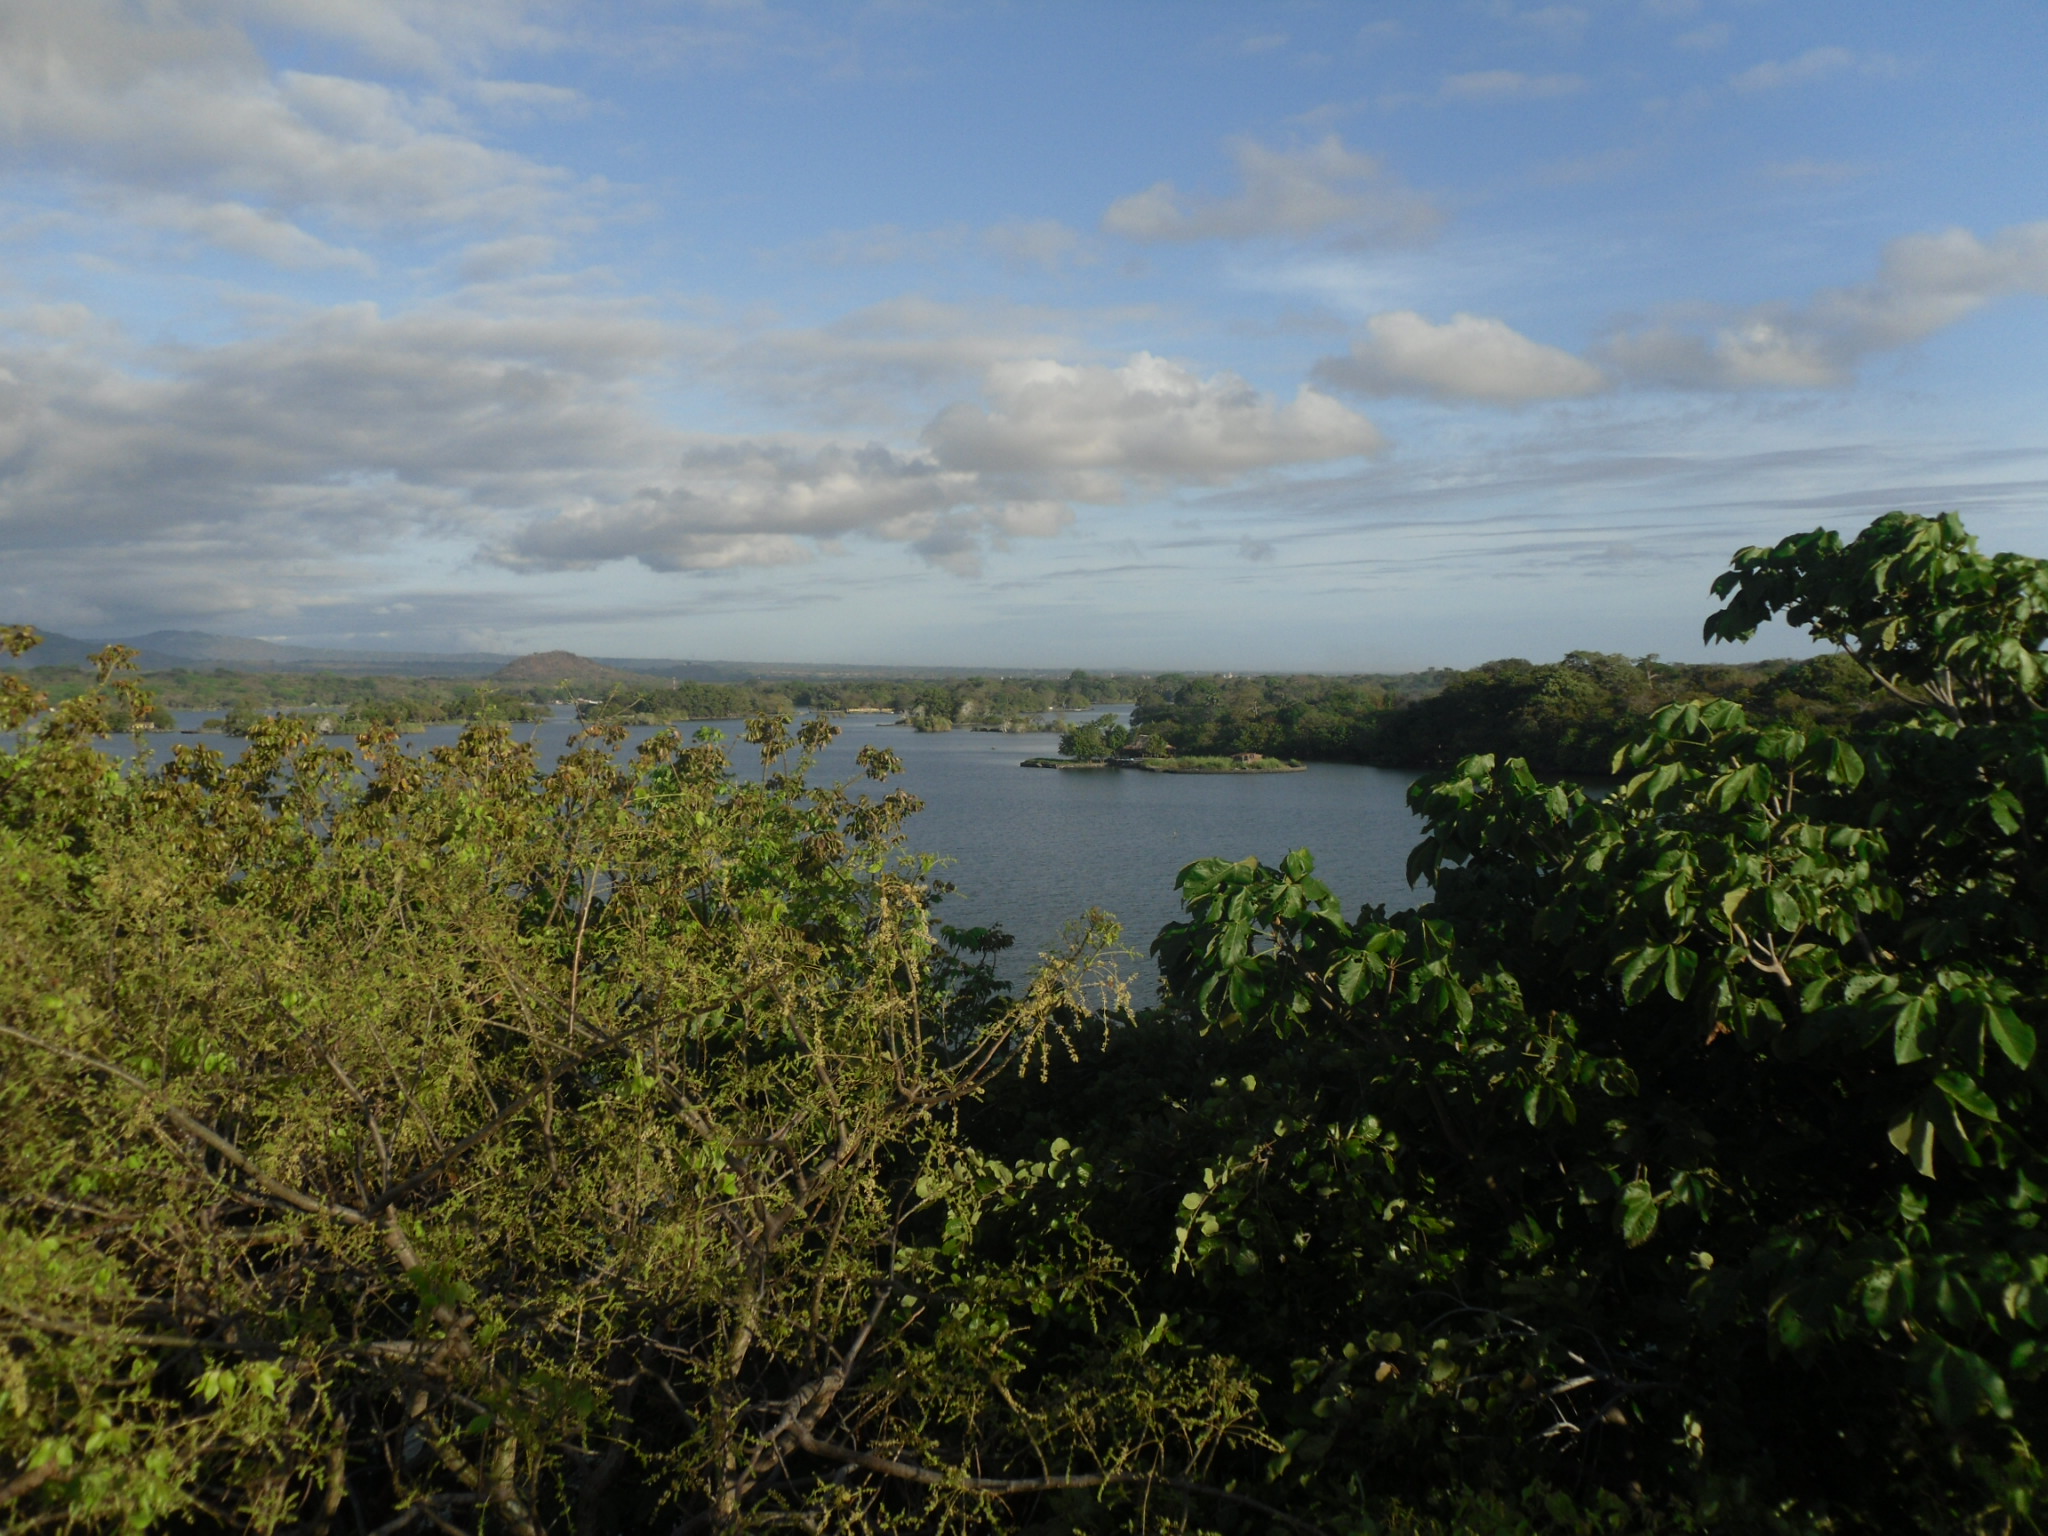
{"type": "Point", "coordinates": [1033, 849]}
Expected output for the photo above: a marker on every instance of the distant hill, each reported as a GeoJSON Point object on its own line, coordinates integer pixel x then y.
{"type": "Point", "coordinates": [192, 645]}
{"type": "Point", "coordinates": [563, 667]}
{"type": "Point", "coordinates": [55, 651]}
{"type": "Point", "coordinates": [167, 650]}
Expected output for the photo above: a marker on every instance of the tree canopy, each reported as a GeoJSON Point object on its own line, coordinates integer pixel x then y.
{"type": "Point", "coordinates": [440, 1142]}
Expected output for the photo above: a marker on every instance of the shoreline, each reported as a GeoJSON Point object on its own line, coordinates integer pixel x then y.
{"type": "Point", "coordinates": [1191, 765]}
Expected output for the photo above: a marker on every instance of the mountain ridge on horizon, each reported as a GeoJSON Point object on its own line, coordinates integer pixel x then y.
{"type": "Point", "coordinates": [166, 650]}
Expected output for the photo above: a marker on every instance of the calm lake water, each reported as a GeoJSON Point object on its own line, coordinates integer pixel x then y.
{"type": "Point", "coordinates": [1033, 849]}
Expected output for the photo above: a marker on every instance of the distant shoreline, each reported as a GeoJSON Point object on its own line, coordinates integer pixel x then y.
{"type": "Point", "coordinates": [1171, 764]}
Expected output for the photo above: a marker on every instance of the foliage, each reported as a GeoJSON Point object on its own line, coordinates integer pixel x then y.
{"type": "Point", "coordinates": [1567, 716]}
{"type": "Point", "coordinates": [1684, 1154]}
{"type": "Point", "coordinates": [1094, 741]}
{"type": "Point", "coordinates": [436, 1142]}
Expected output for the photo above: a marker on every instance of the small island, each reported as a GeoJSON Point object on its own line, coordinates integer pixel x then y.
{"type": "Point", "coordinates": [1108, 743]}
{"type": "Point", "coordinates": [1243, 762]}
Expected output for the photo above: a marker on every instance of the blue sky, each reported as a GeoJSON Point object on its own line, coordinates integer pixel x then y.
{"type": "Point", "coordinates": [1237, 336]}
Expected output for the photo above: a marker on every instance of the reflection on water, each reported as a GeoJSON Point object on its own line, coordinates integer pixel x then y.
{"type": "Point", "coordinates": [1034, 849]}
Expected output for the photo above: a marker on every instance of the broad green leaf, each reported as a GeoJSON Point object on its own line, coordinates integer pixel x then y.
{"type": "Point", "coordinates": [1914, 1136]}
{"type": "Point", "coordinates": [1962, 1090]}
{"type": "Point", "coordinates": [2013, 1034]}
{"type": "Point", "coordinates": [1635, 1212]}
{"type": "Point", "coordinates": [1960, 1384]}
{"type": "Point", "coordinates": [1640, 974]}
{"type": "Point", "coordinates": [1679, 965]}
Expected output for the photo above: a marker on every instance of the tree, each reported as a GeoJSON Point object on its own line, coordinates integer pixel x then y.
{"type": "Point", "coordinates": [1680, 1164]}
{"type": "Point", "coordinates": [396, 1142]}
{"type": "Point", "coordinates": [1095, 740]}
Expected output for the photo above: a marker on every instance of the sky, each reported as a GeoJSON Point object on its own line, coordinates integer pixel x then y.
{"type": "Point", "coordinates": [1293, 336]}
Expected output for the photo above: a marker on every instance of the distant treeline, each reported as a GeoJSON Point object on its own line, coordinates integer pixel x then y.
{"type": "Point", "coordinates": [1565, 716]}
{"type": "Point", "coordinates": [929, 703]}
{"type": "Point", "coordinates": [238, 699]}
{"type": "Point", "coordinates": [376, 698]}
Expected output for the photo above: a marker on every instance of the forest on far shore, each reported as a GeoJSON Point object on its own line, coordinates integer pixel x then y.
{"type": "Point", "coordinates": [1565, 716]}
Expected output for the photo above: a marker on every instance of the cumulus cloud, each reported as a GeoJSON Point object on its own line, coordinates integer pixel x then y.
{"type": "Point", "coordinates": [1049, 434]}
{"type": "Point", "coordinates": [1148, 419]}
{"type": "Point", "coordinates": [1470, 357]}
{"type": "Point", "coordinates": [1494, 85]}
{"type": "Point", "coordinates": [1924, 284]}
{"type": "Point", "coordinates": [1316, 189]}
{"type": "Point", "coordinates": [268, 465]}
{"type": "Point", "coordinates": [766, 503]}
{"type": "Point", "coordinates": [748, 503]}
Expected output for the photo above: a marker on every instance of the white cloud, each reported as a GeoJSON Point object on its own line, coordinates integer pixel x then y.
{"type": "Point", "coordinates": [529, 98]}
{"type": "Point", "coordinates": [1489, 85]}
{"type": "Point", "coordinates": [246, 231]}
{"type": "Point", "coordinates": [257, 474]}
{"type": "Point", "coordinates": [1471, 357]}
{"type": "Point", "coordinates": [269, 463]}
{"type": "Point", "coordinates": [1050, 434]}
{"type": "Point", "coordinates": [1321, 188]}
{"type": "Point", "coordinates": [176, 101]}
{"type": "Point", "coordinates": [1149, 419]}
{"type": "Point", "coordinates": [747, 503]}
{"type": "Point", "coordinates": [1813, 65]}
{"type": "Point", "coordinates": [1924, 284]}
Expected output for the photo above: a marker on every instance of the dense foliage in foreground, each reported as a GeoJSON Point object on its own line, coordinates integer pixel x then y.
{"type": "Point", "coordinates": [614, 1149]}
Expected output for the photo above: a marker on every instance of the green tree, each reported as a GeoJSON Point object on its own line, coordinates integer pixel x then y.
{"type": "Point", "coordinates": [439, 1142]}
{"type": "Point", "coordinates": [1680, 1165]}
{"type": "Point", "coordinates": [1094, 741]}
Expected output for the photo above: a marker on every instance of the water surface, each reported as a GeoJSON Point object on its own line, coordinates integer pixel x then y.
{"type": "Point", "coordinates": [1034, 849]}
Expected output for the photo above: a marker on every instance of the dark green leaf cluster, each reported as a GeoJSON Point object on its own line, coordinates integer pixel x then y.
{"type": "Point", "coordinates": [1094, 741]}
{"type": "Point", "coordinates": [1686, 1152]}
{"type": "Point", "coordinates": [1566, 716]}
